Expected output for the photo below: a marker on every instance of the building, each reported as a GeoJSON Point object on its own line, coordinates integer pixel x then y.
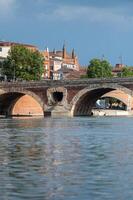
{"type": "Point", "coordinates": [6, 46]}
{"type": "Point", "coordinates": [116, 71]}
{"type": "Point", "coordinates": [56, 63]}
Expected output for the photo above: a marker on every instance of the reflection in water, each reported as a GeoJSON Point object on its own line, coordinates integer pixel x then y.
{"type": "Point", "coordinates": [78, 158]}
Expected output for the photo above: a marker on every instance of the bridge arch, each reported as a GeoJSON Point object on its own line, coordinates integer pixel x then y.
{"type": "Point", "coordinates": [20, 102]}
{"type": "Point", "coordinates": [120, 95]}
{"type": "Point", "coordinates": [83, 102]}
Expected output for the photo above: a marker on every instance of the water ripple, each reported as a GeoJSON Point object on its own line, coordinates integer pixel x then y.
{"type": "Point", "coordinates": [66, 159]}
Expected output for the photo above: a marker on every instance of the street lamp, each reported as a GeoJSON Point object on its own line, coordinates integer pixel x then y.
{"type": "Point", "coordinates": [1, 68]}
{"type": "Point", "coordinates": [14, 73]}
{"type": "Point", "coordinates": [3, 76]}
{"type": "Point", "coordinates": [14, 70]}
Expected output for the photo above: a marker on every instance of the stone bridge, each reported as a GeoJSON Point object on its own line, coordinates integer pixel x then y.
{"type": "Point", "coordinates": [66, 97]}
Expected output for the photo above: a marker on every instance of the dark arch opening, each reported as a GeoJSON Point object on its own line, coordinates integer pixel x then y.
{"type": "Point", "coordinates": [57, 96]}
{"type": "Point", "coordinates": [9, 100]}
{"type": "Point", "coordinates": [111, 103]}
{"type": "Point", "coordinates": [86, 102]}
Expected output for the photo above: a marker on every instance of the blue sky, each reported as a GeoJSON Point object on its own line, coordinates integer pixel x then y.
{"type": "Point", "coordinates": [93, 27]}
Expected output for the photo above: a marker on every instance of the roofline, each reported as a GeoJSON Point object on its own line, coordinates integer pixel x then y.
{"type": "Point", "coordinates": [4, 43]}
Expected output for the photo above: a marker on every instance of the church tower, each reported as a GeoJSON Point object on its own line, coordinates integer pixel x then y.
{"type": "Point", "coordinates": [73, 54]}
{"type": "Point", "coordinates": [64, 52]}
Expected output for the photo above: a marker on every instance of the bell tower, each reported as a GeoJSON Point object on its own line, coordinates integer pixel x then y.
{"type": "Point", "coordinates": [64, 51]}
{"type": "Point", "coordinates": [73, 54]}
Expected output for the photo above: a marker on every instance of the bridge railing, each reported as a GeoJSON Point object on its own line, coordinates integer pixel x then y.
{"type": "Point", "coordinates": [65, 82]}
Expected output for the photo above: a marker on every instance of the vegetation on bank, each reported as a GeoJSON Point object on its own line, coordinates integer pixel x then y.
{"type": "Point", "coordinates": [23, 63]}
{"type": "Point", "coordinates": [126, 72]}
{"type": "Point", "coordinates": [98, 68]}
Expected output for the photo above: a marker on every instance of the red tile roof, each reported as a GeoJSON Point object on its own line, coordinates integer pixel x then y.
{"type": "Point", "coordinates": [3, 43]}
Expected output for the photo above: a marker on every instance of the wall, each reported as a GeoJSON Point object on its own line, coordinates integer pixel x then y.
{"type": "Point", "coordinates": [103, 112]}
{"type": "Point", "coordinates": [4, 52]}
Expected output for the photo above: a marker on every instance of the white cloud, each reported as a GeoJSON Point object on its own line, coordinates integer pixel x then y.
{"type": "Point", "coordinates": [7, 8]}
{"type": "Point", "coordinates": [88, 13]}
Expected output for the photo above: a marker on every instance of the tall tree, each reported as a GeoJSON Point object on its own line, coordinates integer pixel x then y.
{"type": "Point", "coordinates": [23, 63]}
{"type": "Point", "coordinates": [99, 68]}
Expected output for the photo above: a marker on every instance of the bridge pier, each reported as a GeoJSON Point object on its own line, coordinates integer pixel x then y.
{"type": "Point", "coordinates": [57, 111]}
{"type": "Point", "coordinates": [129, 103]}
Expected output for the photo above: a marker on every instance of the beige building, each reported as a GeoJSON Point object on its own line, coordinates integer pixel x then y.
{"type": "Point", "coordinates": [6, 46]}
{"type": "Point", "coordinates": [56, 61]}
{"type": "Point", "coordinates": [58, 64]}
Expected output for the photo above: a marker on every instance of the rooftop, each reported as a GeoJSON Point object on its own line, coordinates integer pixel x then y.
{"type": "Point", "coordinates": [5, 43]}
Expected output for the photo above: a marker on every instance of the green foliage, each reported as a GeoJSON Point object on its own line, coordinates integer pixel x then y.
{"type": "Point", "coordinates": [99, 69]}
{"type": "Point", "coordinates": [0, 64]}
{"type": "Point", "coordinates": [126, 72]}
{"type": "Point", "coordinates": [23, 63]}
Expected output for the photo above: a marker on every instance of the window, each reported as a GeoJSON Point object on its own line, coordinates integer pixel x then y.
{"type": "Point", "coordinates": [51, 67]}
{"type": "Point", "coordinates": [0, 49]}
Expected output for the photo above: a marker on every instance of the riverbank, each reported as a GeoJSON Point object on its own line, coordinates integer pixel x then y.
{"type": "Point", "coordinates": [108, 112]}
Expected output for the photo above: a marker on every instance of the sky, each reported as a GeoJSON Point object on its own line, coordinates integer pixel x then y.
{"type": "Point", "coordinates": [94, 28]}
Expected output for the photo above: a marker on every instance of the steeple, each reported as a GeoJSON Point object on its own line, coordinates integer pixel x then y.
{"type": "Point", "coordinates": [64, 51]}
{"type": "Point", "coordinates": [73, 54]}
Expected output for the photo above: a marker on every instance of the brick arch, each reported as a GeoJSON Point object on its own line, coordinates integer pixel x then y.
{"type": "Point", "coordinates": [87, 97]}
{"type": "Point", "coordinates": [120, 95]}
{"type": "Point", "coordinates": [10, 97]}
{"type": "Point", "coordinates": [26, 92]}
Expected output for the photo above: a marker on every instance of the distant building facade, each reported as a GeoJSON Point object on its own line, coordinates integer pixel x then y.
{"type": "Point", "coordinates": [59, 63]}
{"type": "Point", "coordinates": [116, 71]}
{"type": "Point", "coordinates": [6, 46]}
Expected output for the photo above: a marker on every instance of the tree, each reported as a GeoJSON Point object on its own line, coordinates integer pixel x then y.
{"type": "Point", "coordinates": [23, 63]}
{"type": "Point", "coordinates": [126, 72]}
{"type": "Point", "coordinates": [99, 68]}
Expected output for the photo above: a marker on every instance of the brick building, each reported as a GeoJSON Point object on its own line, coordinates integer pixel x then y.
{"type": "Point", "coordinates": [59, 63]}
{"type": "Point", "coordinates": [117, 69]}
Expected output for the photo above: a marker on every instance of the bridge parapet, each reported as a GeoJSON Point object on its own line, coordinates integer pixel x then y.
{"type": "Point", "coordinates": [77, 82]}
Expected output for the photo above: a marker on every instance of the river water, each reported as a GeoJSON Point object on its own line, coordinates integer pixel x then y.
{"type": "Point", "coordinates": [66, 159]}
